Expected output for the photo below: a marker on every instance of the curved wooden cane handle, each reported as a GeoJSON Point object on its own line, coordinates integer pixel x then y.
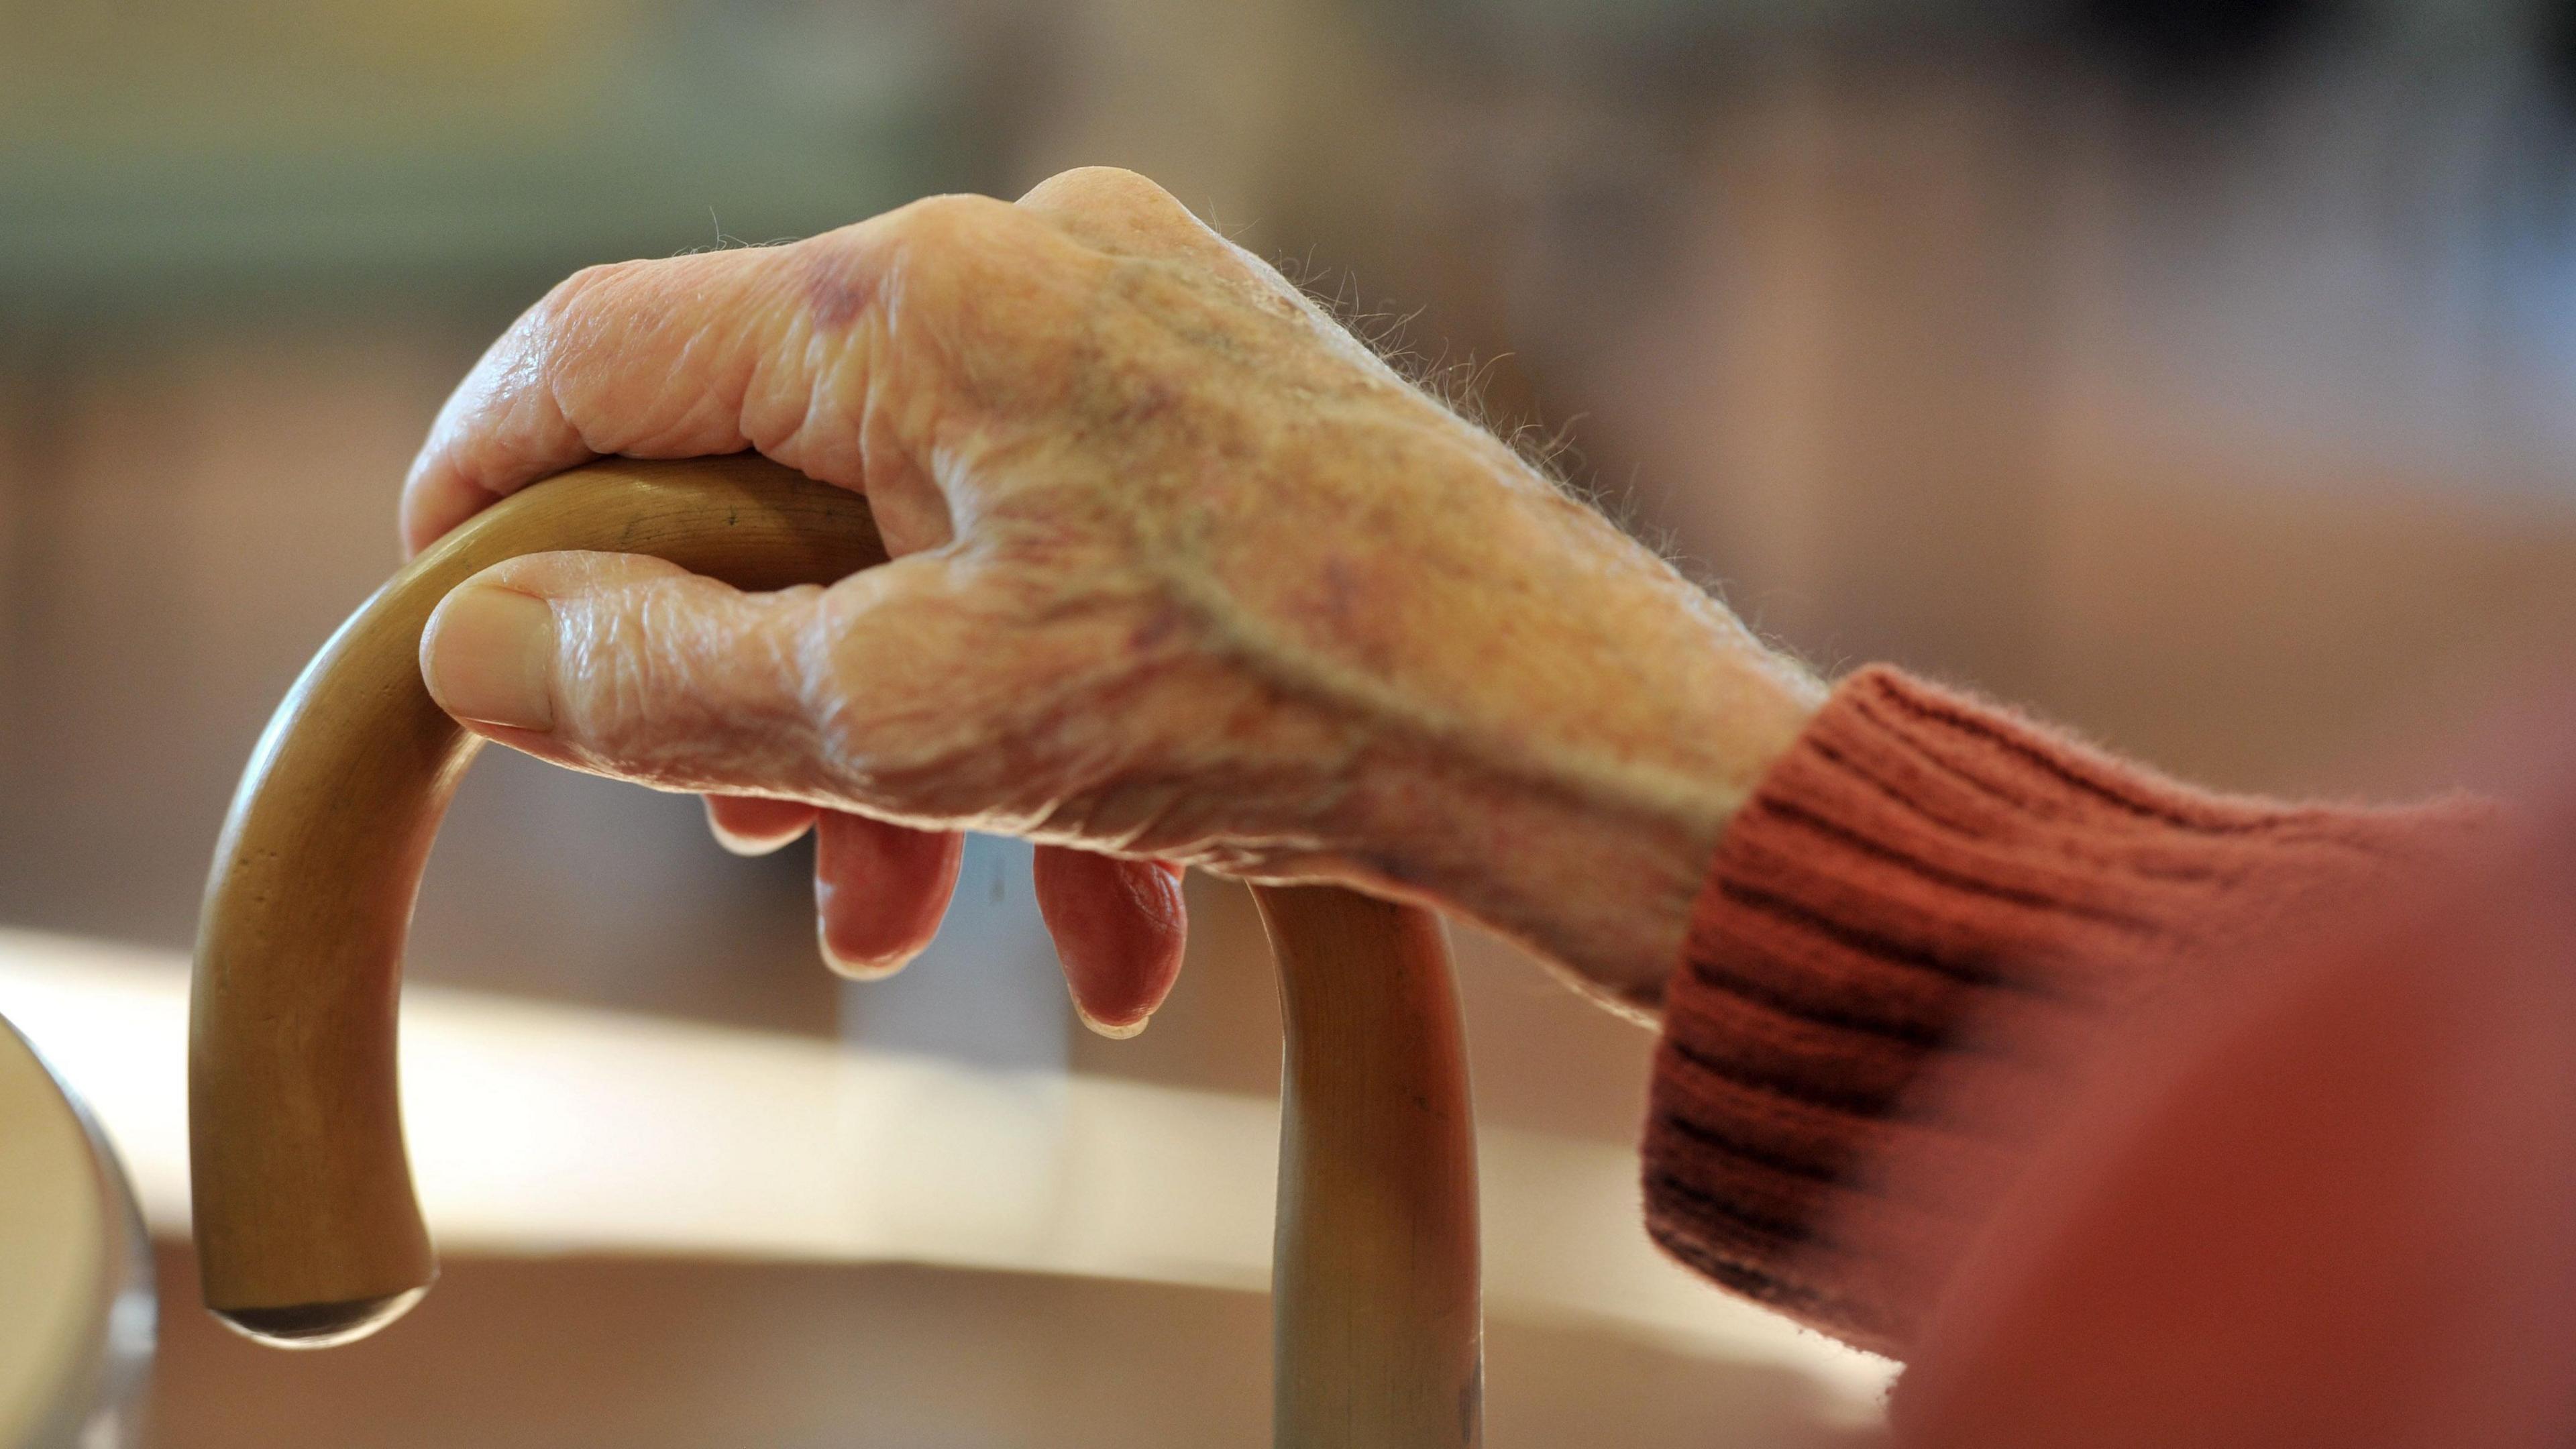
{"type": "Point", "coordinates": [307, 1230]}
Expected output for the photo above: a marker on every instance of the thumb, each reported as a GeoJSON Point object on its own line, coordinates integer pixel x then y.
{"type": "Point", "coordinates": [633, 667]}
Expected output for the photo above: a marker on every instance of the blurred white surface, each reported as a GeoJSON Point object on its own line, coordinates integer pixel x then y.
{"type": "Point", "coordinates": [539, 1128]}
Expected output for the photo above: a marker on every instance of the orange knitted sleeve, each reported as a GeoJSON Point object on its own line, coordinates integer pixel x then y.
{"type": "Point", "coordinates": [1930, 887]}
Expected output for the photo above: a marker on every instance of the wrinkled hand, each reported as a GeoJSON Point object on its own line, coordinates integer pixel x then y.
{"type": "Point", "coordinates": [1182, 573]}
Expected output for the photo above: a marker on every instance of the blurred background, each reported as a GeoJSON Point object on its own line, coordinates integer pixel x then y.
{"type": "Point", "coordinates": [2199, 373]}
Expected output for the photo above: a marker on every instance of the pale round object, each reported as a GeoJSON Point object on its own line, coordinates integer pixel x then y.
{"type": "Point", "coordinates": [76, 1309]}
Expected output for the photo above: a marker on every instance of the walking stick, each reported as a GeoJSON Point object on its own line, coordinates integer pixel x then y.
{"type": "Point", "coordinates": [306, 1225]}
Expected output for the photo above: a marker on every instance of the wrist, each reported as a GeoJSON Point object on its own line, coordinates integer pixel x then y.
{"type": "Point", "coordinates": [1514, 711]}
{"type": "Point", "coordinates": [1603, 881]}
{"type": "Point", "coordinates": [1582, 821]}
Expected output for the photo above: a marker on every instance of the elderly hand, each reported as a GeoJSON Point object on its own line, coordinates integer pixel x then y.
{"type": "Point", "coordinates": [1183, 573]}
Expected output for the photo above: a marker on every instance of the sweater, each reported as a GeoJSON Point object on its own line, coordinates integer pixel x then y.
{"type": "Point", "coordinates": [1919, 938]}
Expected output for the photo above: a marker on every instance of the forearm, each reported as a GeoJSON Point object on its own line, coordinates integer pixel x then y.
{"type": "Point", "coordinates": [1912, 941]}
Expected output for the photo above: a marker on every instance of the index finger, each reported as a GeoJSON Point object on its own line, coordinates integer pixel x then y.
{"type": "Point", "coordinates": [633, 357]}
{"type": "Point", "coordinates": [722, 351]}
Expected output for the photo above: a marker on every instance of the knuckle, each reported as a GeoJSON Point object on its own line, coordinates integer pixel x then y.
{"type": "Point", "coordinates": [582, 295]}
{"type": "Point", "coordinates": [553, 336]}
{"type": "Point", "coordinates": [950, 255]}
{"type": "Point", "coordinates": [640, 700]}
{"type": "Point", "coordinates": [1105, 188]}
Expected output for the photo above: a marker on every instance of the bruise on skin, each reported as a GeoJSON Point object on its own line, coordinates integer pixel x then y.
{"type": "Point", "coordinates": [839, 286]}
{"type": "Point", "coordinates": [1164, 623]}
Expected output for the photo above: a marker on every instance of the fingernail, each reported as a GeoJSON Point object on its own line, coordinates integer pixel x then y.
{"type": "Point", "coordinates": [1114, 1033]}
{"type": "Point", "coordinates": [491, 658]}
{"type": "Point", "coordinates": [773, 830]}
{"type": "Point", "coordinates": [859, 968]}
{"type": "Point", "coordinates": [749, 847]}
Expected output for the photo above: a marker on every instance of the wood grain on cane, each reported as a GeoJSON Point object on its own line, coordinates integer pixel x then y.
{"type": "Point", "coordinates": [305, 1217]}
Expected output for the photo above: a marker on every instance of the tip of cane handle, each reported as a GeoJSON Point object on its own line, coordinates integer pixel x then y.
{"type": "Point", "coordinates": [319, 1325]}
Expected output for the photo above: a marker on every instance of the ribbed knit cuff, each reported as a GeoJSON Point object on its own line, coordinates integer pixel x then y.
{"type": "Point", "coordinates": [1926, 884]}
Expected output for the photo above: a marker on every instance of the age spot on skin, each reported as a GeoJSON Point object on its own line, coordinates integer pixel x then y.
{"type": "Point", "coordinates": [1356, 610]}
{"type": "Point", "coordinates": [1341, 593]}
{"type": "Point", "coordinates": [1144, 402]}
